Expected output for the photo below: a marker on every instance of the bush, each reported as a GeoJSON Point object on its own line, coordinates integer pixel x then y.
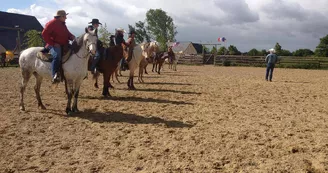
{"type": "Point", "coordinates": [226, 63]}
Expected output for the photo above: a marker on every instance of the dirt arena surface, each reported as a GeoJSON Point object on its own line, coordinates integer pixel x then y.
{"type": "Point", "coordinates": [198, 119]}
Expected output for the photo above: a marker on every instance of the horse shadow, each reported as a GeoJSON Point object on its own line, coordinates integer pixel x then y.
{"type": "Point", "coordinates": [137, 99]}
{"type": "Point", "coordinates": [119, 117]}
{"type": "Point", "coordinates": [166, 90]}
{"type": "Point", "coordinates": [169, 83]}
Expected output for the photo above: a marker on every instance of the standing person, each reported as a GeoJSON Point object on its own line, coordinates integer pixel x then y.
{"type": "Point", "coordinates": [271, 61]}
{"type": "Point", "coordinates": [119, 39]}
{"type": "Point", "coordinates": [94, 25]}
{"type": "Point", "coordinates": [56, 36]}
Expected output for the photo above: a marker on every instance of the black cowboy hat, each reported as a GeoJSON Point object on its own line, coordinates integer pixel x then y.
{"type": "Point", "coordinates": [95, 21]}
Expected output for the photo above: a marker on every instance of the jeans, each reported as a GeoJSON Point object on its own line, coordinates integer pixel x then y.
{"type": "Point", "coordinates": [56, 54]}
{"type": "Point", "coordinates": [95, 61]}
{"type": "Point", "coordinates": [269, 71]}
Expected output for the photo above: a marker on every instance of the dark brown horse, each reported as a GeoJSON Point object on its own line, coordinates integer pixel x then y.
{"type": "Point", "coordinates": [108, 64]}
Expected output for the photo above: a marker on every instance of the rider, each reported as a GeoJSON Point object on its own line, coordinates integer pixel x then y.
{"type": "Point", "coordinates": [131, 44]}
{"type": "Point", "coordinates": [119, 39]}
{"type": "Point", "coordinates": [94, 25]}
{"type": "Point", "coordinates": [56, 36]}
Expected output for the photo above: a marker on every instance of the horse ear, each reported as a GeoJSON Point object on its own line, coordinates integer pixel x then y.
{"type": "Point", "coordinates": [86, 30]}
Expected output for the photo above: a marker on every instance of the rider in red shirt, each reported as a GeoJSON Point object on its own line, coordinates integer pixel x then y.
{"type": "Point", "coordinates": [56, 35]}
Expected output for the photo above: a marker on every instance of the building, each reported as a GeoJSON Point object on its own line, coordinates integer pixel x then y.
{"type": "Point", "coordinates": [14, 26]}
{"type": "Point", "coordinates": [188, 48]}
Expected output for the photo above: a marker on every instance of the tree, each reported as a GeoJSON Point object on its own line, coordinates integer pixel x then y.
{"type": "Point", "coordinates": [233, 50]}
{"type": "Point", "coordinates": [277, 48]}
{"type": "Point", "coordinates": [160, 26]}
{"type": "Point", "coordinates": [263, 52]}
{"type": "Point", "coordinates": [222, 50]}
{"type": "Point", "coordinates": [214, 50]}
{"type": "Point", "coordinates": [285, 52]}
{"type": "Point", "coordinates": [104, 35]}
{"type": "Point", "coordinates": [141, 32]}
{"type": "Point", "coordinates": [322, 49]}
{"type": "Point", "coordinates": [33, 38]}
{"type": "Point", "coordinates": [253, 52]}
{"type": "Point", "coordinates": [206, 49]}
{"type": "Point", "coordinates": [303, 52]}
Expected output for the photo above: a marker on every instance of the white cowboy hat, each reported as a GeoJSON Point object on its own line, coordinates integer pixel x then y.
{"type": "Point", "coordinates": [272, 50]}
{"type": "Point", "coordinates": [120, 30]}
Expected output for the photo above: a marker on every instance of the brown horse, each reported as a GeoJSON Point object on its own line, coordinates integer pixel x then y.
{"type": "Point", "coordinates": [108, 65]}
{"type": "Point", "coordinates": [160, 59]}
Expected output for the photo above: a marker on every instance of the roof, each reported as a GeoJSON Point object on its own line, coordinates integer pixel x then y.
{"type": "Point", "coordinates": [10, 20]}
{"type": "Point", "coordinates": [2, 49]}
{"type": "Point", "coordinates": [185, 47]}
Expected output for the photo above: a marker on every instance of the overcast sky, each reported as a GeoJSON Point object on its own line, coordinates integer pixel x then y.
{"type": "Point", "coordinates": [247, 24]}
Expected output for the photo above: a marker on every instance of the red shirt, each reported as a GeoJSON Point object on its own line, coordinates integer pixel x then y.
{"type": "Point", "coordinates": [56, 31]}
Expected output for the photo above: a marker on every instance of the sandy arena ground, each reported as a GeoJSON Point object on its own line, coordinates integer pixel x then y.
{"type": "Point", "coordinates": [198, 119]}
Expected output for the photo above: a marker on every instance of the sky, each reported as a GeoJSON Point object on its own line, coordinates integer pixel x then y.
{"type": "Point", "coordinates": [247, 24]}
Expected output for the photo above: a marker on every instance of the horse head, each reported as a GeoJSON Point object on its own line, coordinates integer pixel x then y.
{"type": "Point", "coordinates": [90, 41]}
{"type": "Point", "coordinates": [150, 48]}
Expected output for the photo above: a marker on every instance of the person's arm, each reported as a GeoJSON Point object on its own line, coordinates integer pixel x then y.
{"type": "Point", "coordinates": [71, 36]}
{"type": "Point", "coordinates": [267, 58]}
{"type": "Point", "coordinates": [47, 32]}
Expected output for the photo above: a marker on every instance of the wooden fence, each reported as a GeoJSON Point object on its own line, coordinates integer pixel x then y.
{"type": "Point", "coordinates": [244, 60]}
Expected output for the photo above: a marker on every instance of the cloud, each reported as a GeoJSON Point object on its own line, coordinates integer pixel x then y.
{"type": "Point", "coordinates": [246, 24]}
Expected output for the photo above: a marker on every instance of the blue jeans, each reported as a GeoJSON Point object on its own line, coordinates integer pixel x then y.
{"type": "Point", "coordinates": [95, 61]}
{"type": "Point", "coordinates": [56, 54]}
{"type": "Point", "coordinates": [269, 71]}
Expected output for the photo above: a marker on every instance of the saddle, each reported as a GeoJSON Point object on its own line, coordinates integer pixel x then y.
{"type": "Point", "coordinates": [45, 55]}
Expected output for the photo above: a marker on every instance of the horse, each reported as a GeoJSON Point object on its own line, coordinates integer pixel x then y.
{"type": "Point", "coordinates": [74, 69]}
{"type": "Point", "coordinates": [160, 59]}
{"type": "Point", "coordinates": [108, 65]}
{"type": "Point", "coordinates": [173, 64]}
{"type": "Point", "coordinates": [140, 53]}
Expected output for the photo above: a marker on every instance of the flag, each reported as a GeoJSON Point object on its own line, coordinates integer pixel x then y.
{"type": "Point", "coordinates": [176, 44]}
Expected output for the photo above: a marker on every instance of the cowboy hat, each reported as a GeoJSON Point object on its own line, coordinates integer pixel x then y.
{"type": "Point", "coordinates": [61, 13]}
{"type": "Point", "coordinates": [95, 21]}
{"type": "Point", "coordinates": [272, 50]}
{"type": "Point", "coordinates": [120, 30]}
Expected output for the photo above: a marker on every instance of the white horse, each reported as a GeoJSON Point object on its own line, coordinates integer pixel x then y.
{"type": "Point", "coordinates": [74, 69]}
{"type": "Point", "coordinates": [140, 53]}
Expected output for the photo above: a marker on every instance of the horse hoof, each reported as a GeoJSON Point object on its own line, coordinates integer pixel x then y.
{"type": "Point", "coordinates": [22, 108]}
{"type": "Point", "coordinates": [43, 107]}
{"type": "Point", "coordinates": [96, 85]}
{"type": "Point", "coordinates": [146, 72]}
{"type": "Point", "coordinates": [76, 110]}
{"type": "Point", "coordinates": [68, 111]}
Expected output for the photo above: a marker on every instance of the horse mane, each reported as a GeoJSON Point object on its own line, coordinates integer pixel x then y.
{"type": "Point", "coordinates": [77, 43]}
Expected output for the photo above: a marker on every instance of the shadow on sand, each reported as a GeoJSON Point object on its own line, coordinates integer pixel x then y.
{"type": "Point", "coordinates": [91, 115]}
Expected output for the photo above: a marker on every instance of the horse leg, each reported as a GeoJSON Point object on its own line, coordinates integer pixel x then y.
{"type": "Point", "coordinates": [95, 77]}
{"type": "Point", "coordinates": [140, 73]}
{"type": "Point", "coordinates": [37, 88]}
{"type": "Point", "coordinates": [159, 68]}
{"type": "Point", "coordinates": [153, 66]}
{"type": "Point", "coordinates": [76, 95]}
{"type": "Point", "coordinates": [131, 84]}
{"type": "Point", "coordinates": [105, 92]}
{"type": "Point", "coordinates": [116, 75]}
{"type": "Point", "coordinates": [26, 77]}
{"type": "Point", "coordinates": [69, 93]}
